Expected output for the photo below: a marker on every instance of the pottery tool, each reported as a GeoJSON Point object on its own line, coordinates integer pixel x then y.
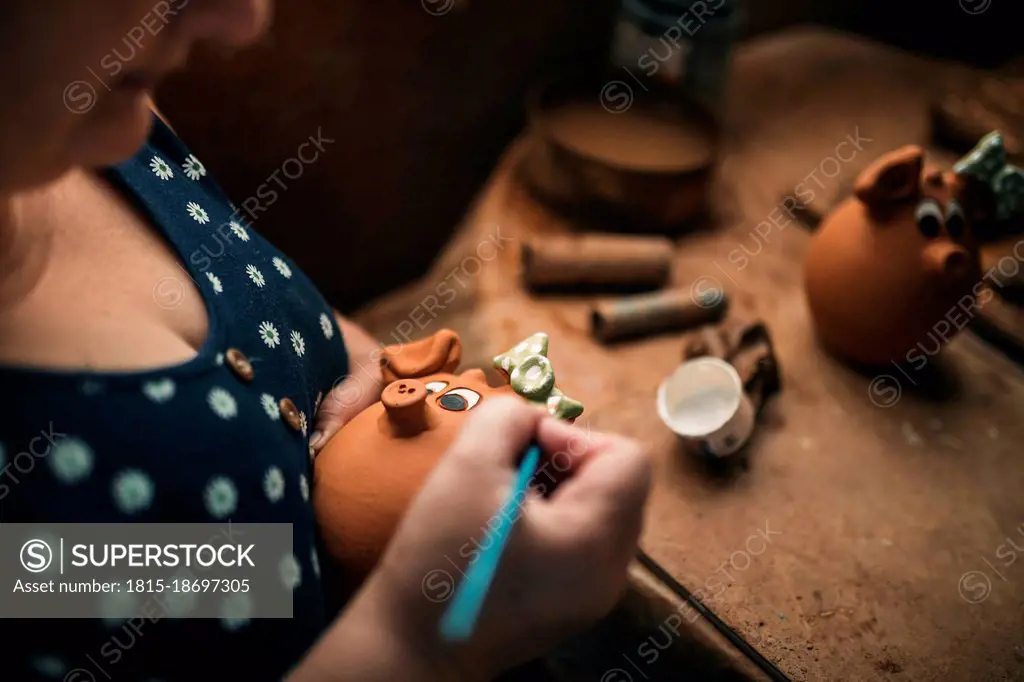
{"type": "Point", "coordinates": [672, 310]}
{"type": "Point", "coordinates": [460, 618]}
{"type": "Point", "coordinates": [596, 260]}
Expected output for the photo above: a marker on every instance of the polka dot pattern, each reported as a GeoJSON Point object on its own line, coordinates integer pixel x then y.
{"type": "Point", "coordinates": [71, 460]}
{"type": "Point", "coordinates": [133, 491]}
{"type": "Point", "coordinates": [222, 403]}
{"type": "Point", "coordinates": [180, 604]}
{"type": "Point", "coordinates": [236, 611]}
{"type": "Point", "coordinates": [117, 607]}
{"type": "Point", "coordinates": [196, 442]}
{"type": "Point", "coordinates": [291, 572]}
{"type": "Point", "coordinates": [49, 666]}
{"type": "Point", "coordinates": [221, 497]}
{"type": "Point", "coordinates": [273, 484]}
{"type": "Point", "coordinates": [159, 391]}
{"type": "Point", "coordinates": [91, 387]}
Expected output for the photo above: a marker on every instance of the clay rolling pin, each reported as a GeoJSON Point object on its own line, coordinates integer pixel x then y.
{"type": "Point", "coordinates": [662, 311]}
{"type": "Point", "coordinates": [596, 260]}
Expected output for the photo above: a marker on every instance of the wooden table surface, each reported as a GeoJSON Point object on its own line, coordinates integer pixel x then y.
{"type": "Point", "coordinates": [867, 537]}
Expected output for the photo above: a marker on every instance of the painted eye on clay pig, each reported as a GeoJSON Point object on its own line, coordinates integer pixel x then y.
{"type": "Point", "coordinates": [436, 386]}
{"type": "Point", "coordinates": [459, 399]}
{"type": "Point", "coordinates": [929, 218]}
{"type": "Point", "coordinates": [955, 222]}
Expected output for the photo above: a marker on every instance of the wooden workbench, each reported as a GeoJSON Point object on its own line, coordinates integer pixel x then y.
{"type": "Point", "coordinates": [874, 509]}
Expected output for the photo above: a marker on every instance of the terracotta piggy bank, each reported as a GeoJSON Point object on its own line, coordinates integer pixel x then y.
{"type": "Point", "coordinates": [894, 268]}
{"type": "Point", "coordinates": [368, 473]}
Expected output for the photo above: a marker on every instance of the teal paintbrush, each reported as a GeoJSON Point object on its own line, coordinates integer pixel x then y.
{"type": "Point", "coordinates": [460, 618]}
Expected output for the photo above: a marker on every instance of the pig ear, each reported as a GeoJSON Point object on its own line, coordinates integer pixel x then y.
{"type": "Point", "coordinates": [893, 177]}
{"type": "Point", "coordinates": [441, 352]}
{"type": "Point", "coordinates": [475, 374]}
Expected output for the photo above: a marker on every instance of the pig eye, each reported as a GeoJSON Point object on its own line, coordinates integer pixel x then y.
{"type": "Point", "coordinates": [929, 218]}
{"type": "Point", "coordinates": [955, 222]}
{"type": "Point", "coordinates": [436, 386]}
{"type": "Point", "coordinates": [459, 399]}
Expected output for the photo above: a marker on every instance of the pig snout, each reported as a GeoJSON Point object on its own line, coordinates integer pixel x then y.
{"type": "Point", "coordinates": [405, 402]}
{"type": "Point", "coordinates": [948, 261]}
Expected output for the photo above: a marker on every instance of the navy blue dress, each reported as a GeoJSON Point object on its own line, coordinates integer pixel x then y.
{"type": "Point", "coordinates": [195, 442]}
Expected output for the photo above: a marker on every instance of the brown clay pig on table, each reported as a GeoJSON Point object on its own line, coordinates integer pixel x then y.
{"type": "Point", "coordinates": [893, 271]}
{"type": "Point", "coordinates": [369, 472]}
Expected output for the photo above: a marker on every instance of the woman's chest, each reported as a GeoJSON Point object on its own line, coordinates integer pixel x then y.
{"type": "Point", "coordinates": [105, 291]}
{"type": "Point", "coordinates": [127, 289]}
{"type": "Point", "coordinates": [207, 353]}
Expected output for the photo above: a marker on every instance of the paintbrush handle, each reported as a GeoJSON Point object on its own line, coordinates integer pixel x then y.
{"type": "Point", "coordinates": [459, 620]}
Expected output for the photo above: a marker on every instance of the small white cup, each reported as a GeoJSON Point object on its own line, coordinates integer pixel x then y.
{"type": "Point", "coordinates": [703, 402]}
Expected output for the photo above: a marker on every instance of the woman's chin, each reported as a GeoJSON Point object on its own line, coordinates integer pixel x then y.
{"type": "Point", "coordinates": [116, 129]}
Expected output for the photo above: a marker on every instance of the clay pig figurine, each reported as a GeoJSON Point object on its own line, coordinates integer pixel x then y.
{"type": "Point", "coordinates": [895, 267]}
{"type": "Point", "coordinates": [368, 473]}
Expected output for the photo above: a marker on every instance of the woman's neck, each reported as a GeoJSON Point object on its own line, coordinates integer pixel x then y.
{"type": "Point", "coordinates": [6, 219]}
{"type": "Point", "coordinates": [9, 242]}
{"type": "Point", "coordinates": [25, 238]}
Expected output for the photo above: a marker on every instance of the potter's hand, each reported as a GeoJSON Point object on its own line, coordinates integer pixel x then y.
{"type": "Point", "coordinates": [354, 392]}
{"type": "Point", "coordinates": [565, 563]}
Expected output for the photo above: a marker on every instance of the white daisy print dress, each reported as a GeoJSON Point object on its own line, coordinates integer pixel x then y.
{"type": "Point", "coordinates": [221, 439]}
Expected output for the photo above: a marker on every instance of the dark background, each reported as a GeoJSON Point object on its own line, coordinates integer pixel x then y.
{"type": "Point", "coordinates": [422, 106]}
{"type": "Point", "coordinates": [938, 27]}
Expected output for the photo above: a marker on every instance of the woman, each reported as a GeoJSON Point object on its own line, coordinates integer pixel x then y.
{"type": "Point", "coordinates": [173, 388]}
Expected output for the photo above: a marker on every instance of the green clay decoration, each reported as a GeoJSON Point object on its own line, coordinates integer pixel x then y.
{"type": "Point", "coordinates": [987, 161]}
{"type": "Point", "coordinates": [531, 375]}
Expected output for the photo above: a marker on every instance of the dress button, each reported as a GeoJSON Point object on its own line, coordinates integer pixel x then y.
{"type": "Point", "coordinates": [239, 364]}
{"type": "Point", "coordinates": [290, 413]}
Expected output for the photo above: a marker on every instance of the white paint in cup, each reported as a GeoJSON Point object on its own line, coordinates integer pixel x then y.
{"type": "Point", "coordinates": [703, 401]}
